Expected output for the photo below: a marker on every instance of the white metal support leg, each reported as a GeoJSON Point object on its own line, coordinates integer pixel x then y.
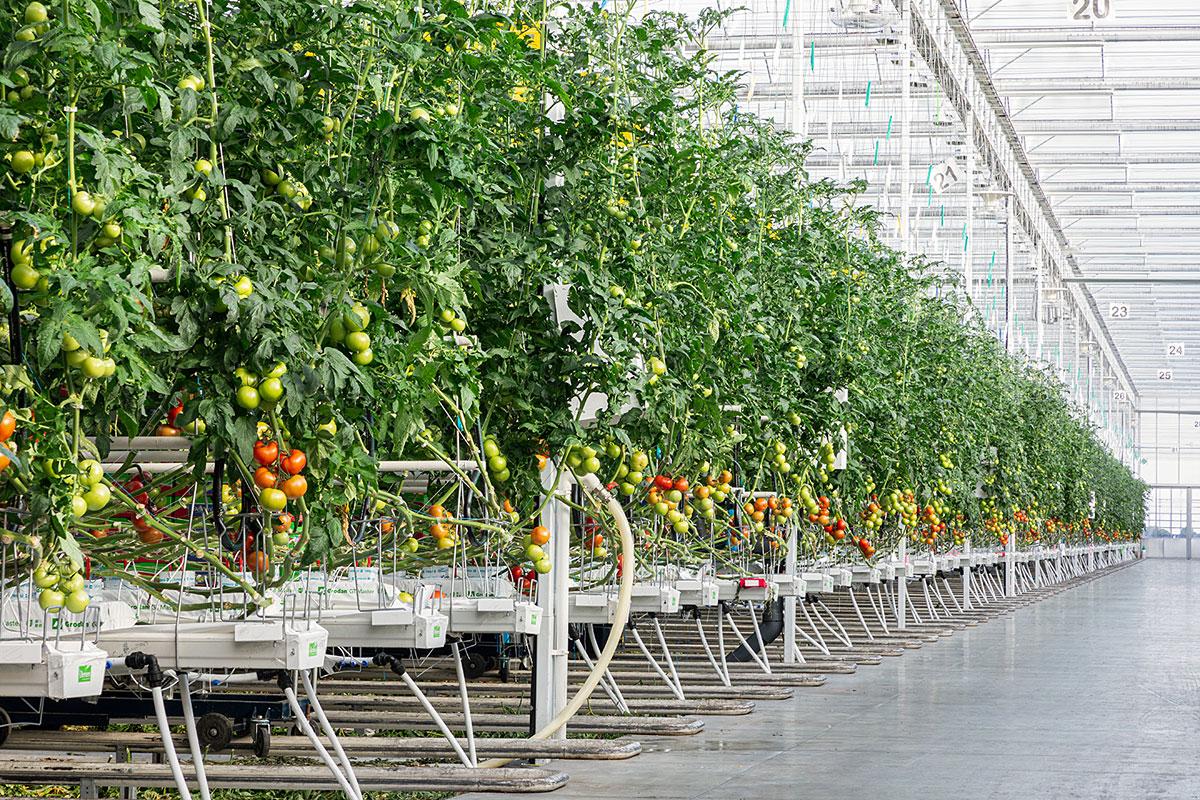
{"type": "Point", "coordinates": [550, 690]}
{"type": "Point", "coordinates": [858, 612]}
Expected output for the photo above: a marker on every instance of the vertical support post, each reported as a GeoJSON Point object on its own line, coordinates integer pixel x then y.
{"type": "Point", "coordinates": [906, 178]}
{"type": "Point", "coordinates": [789, 603]}
{"type": "Point", "coordinates": [550, 677]}
{"type": "Point", "coordinates": [799, 115]}
{"type": "Point", "coordinates": [902, 584]}
{"type": "Point", "coordinates": [969, 230]}
{"type": "Point", "coordinates": [1010, 339]}
{"type": "Point", "coordinates": [966, 582]}
{"type": "Point", "coordinates": [1038, 308]}
{"type": "Point", "coordinates": [1189, 523]}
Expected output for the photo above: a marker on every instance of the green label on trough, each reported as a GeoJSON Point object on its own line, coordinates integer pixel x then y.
{"type": "Point", "coordinates": [312, 649]}
{"type": "Point", "coordinates": [85, 673]}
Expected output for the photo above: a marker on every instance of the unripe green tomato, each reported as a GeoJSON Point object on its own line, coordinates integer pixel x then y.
{"type": "Point", "coordinates": [83, 204]}
{"type": "Point", "coordinates": [97, 497]}
{"type": "Point", "coordinates": [542, 566]}
{"type": "Point", "coordinates": [387, 230]}
{"type": "Point", "coordinates": [90, 472]}
{"type": "Point", "coordinates": [385, 270]}
{"type": "Point", "coordinates": [112, 230]}
{"type": "Point", "coordinates": [75, 358]}
{"type": "Point", "coordinates": [44, 578]}
{"type": "Point", "coordinates": [273, 499]}
{"type": "Point", "coordinates": [358, 341]}
{"type": "Point", "coordinates": [503, 475]}
{"type": "Point", "coordinates": [35, 13]}
{"type": "Point", "coordinates": [78, 506]}
{"type": "Point", "coordinates": [25, 277]}
{"type": "Point", "coordinates": [51, 598]}
{"type": "Point", "coordinates": [363, 357]}
{"type": "Point", "coordinates": [72, 584]}
{"type": "Point", "coordinates": [458, 324]}
{"type": "Point", "coordinates": [247, 397]}
{"type": "Point", "coordinates": [271, 390]}
{"type": "Point", "coordinates": [23, 161]}
{"type": "Point", "coordinates": [281, 539]}
{"type": "Point", "coordinates": [533, 552]}
{"type": "Point", "coordinates": [497, 463]}
{"type": "Point", "coordinates": [94, 367]}
{"type": "Point", "coordinates": [77, 602]}
{"type": "Point", "coordinates": [490, 448]}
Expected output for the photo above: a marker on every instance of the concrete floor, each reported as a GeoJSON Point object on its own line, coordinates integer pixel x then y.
{"type": "Point", "coordinates": [1093, 693]}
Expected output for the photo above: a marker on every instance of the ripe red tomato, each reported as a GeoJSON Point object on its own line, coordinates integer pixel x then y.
{"type": "Point", "coordinates": [264, 478]}
{"type": "Point", "coordinates": [174, 413]}
{"type": "Point", "coordinates": [8, 424]}
{"type": "Point", "coordinates": [294, 463]}
{"type": "Point", "coordinates": [167, 430]}
{"type": "Point", "coordinates": [516, 572]}
{"type": "Point", "coordinates": [266, 453]}
{"type": "Point", "coordinates": [682, 484]}
{"type": "Point", "coordinates": [294, 486]}
{"type": "Point", "coordinates": [663, 483]}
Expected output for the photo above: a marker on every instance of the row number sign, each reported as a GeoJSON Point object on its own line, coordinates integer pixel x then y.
{"type": "Point", "coordinates": [1091, 10]}
{"type": "Point", "coordinates": [1120, 396]}
{"type": "Point", "coordinates": [1176, 350]}
{"type": "Point", "coordinates": [1118, 311]}
{"type": "Point", "coordinates": [1166, 374]}
{"type": "Point", "coordinates": [944, 176]}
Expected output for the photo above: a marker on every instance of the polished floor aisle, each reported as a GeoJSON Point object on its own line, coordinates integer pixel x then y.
{"type": "Point", "coordinates": [1092, 693]}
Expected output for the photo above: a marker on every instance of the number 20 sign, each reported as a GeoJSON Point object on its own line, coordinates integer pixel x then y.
{"type": "Point", "coordinates": [1091, 10]}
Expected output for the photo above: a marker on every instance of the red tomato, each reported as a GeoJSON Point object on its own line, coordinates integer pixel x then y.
{"type": "Point", "coordinates": [294, 463]}
{"type": "Point", "coordinates": [8, 424]}
{"type": "Point", "coordinates": [681, 483]}
{"type": "Point", "coordinates": [264, 478]}
{"type": "Point", "coordinates": [663, 483]}
{"type": "Point", "coordinates": [266, 452]}
{"type": "Point", "coordinates": [294, 486]}
{"type": "Point", "coordinates": [174, 413]}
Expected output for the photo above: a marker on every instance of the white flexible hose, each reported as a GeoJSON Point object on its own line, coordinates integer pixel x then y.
{"type": "Point", "coordinates": [307, 730]}
{"type": "Point", "coordinates": [437, 718]}
{"type": "Point", "coordinates": [164, 730]}
{"type": "Point", "coordinates": [624, 599]}
{"type": "Point", "coordinates": [330, 734]}
{"type": "Point", "coordinates": [189, 719]}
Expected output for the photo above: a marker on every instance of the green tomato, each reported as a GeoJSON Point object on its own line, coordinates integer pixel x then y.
{"type": "Point", "coordinates": [497, 463]}
{"type": "Point", "coordinates": [358, 341]}
{"type": "Point", "coordinates": [447, 315]}
{"type": "Point", "coordinates": [533, 552]}
{"type": "Point", "coordinates": [94, 367]}
{"type": "Point", "coordinates": [90, 472]}
{"type": "Point", "coordinates": [205, 167]}
{"type": "Point", "coordinates": [76, 602]}
{"type": "Point", "coordinates": [72, 584]}
{"type": "Point", "coordinates": [244, 287]}
{"type": "Point", "coordinates": [490, 448]}
{"type": "Point", "coordinates": [273, 499]}
{"type": "Point", "coordinates": [25, 277]}
{"type": "Point", "coordinates": [277, 371]}
{"type": "Point", "coordinates": [542, 566]}
{"type": "Point", "coordinates": [97, 497]}
{"type": "Point", "coordinates": [363, 357]}
{"type": "Point", "coordinates": [458, 325]}
{"type": "Point", "coordinates": [112, 230]}
{"type": "Point", "coordinates": [22, 162]}
{"type": "Point", "coordinates": [83, 204]}
{"type": "Point", "coordinates": [44, 578]}
{"type": "Point", "coordinates": [281, 539]}
{"type": "Point", "coordinates": [247, 398]}
{"type": "Point", "coordinates": [385, 270]}
{"type": "Point", "coordinates": [51, 598]}
{"type": "Point", "coordinates": [503, 475]}
{"type": "Point", "coordinates": [387, 230]}
{"type": "Point", "coordinates": [35, 13]}
{"type": "Point", "coordinates": [639, 460]}
{"type": "Point", "coordinates": [271, 390]}
{"type": "Point", "coordinates": [419, 115]}
{"type": "Point", "coordinates": [78, 506]}
{"type": "Point", "coordinates": [75, 358]}
{"type": "Point", "coordinates": [591, 465]}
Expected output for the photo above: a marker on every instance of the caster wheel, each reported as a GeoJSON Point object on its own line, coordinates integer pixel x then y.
{"type": "Point", "coordinates": [475, 665]}
{"type": "Point", "coordinates": [262, 740]}
{"type": "Point", "coordinates": [215, 731]}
